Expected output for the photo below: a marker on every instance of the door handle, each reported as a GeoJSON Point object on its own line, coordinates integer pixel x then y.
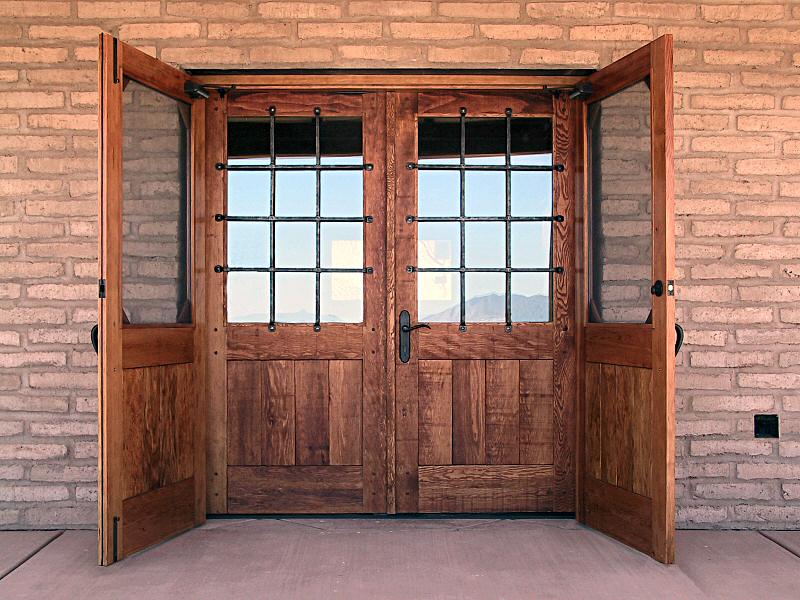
{"type": "Point", "coordinates": [405, 335]}
{"type": "Point", "coordinates": [678, 338]}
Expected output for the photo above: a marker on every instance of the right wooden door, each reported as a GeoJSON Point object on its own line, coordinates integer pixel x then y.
{"type": "Point", "coordinates": [627, 425]}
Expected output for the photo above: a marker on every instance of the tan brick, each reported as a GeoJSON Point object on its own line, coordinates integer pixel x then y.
{"type": "Point", "coordinates": [767, 166]}
{"type": "Point", "coordinates": [521, 32]}
{"type": "Point", "coordinates": [33, 404]}
{"type": "Point", "coordinates": [769, 293]}
{"type": "Point", "coordinates": [469, 54]}
{"type": "Point", "coordinates": [432, 31]}
{"type": "Point", "coordinates": [790, 189]}
{"type": "Point", "coordinates": [731, 359]}
{"type": "Point", "coordinates": [785, 381]}
{"type": "Point", "coordinates": [46, 517]}
{"type": "Point", "coordinates": [745, 447]}
{"type": "Point", "coordinates": [732, 315]}
{"type": "Point", "coordinates": [733, 101]}
{"type": "Point", "coordinates": [767, 251]}
{"type": "Point", "coordinates": [203, 55]}
{"type": "Point", "coordinates": [360, 30]}
{"type": "Point", "coordinates": [701, 122]}
{"type": "Point", "coordinates": [118, 10]}
{"type": "Point", "coordinates": [61, 166]}
{"type": "Point", "coordinates": [768, 471]}
{"type": "Point", "coordinates": [33, 8]}
{"type": "Point", "coordinates": [742, 57]}
{"type": "Point", "coordinates": [735, 403]}
{"type": "Point", "coordinates": [390, 8]}
{"type": "Point", "coordinates": [734, 12]}
{"type": "Point", "coordinates": [731, 186]}
{"type": "Point", "coordinates": [381, 53]}
{"type": "Point", "coordinates": [694, 206]}
{"type": "Point", "coordinates": [33, 493]}
{"type": "Point", "coordinates": [32, 451]}
{"type": "Point", "coordinates": [273, 54]}
{"type": "Point", "coordinates": [694, 35]}
{"type": "Point", "coordinates": [299, 10]}
{"type": "Point", "coordinates": [9, 121]}
{"type": "Point", "coordinates": [701, 514]}
{"type": "Point", "coordinates": [693, 470]}
{"type": "Point", "coordinates": [695, 80]}
{"type": "Point", "coordinates": [9, 338]}
{"type": "Point", "coordinates": [26, 359]}
{"type": "Point", "coordinates": [63, 121]}
{"type": "Point", "coordinates": [791, 491]}
{"type": "Point", "coordinates": [84, 450]}
{"type": "Point", "coordinates": [28, 55]}
{"type": "Point", "coordinates": [731, 228]}
{"type": "Point", "coordinates": [700, 337]}
{"type": "Point", "coordinates": [698, 427]}
{"type": "Point", "coordinates": [64, 32]}
{"type": "Point", "coordinates": [789, 359]}
{"type": "Point", "coordinates": [578, 10]}
{"type": "Point", "coordinates": [71, 380]}
{"type": "Point", "coordinates": [479, 10]}
{"type": "Point", "coordinates": [544, 56]}
{"type": "Point", "coordinates": [703, 293]}
{"type": "Point", "coordinates": [143, 31]}
{"type": "Point", "coordinates": [769, 80]}
{"type": "Point", "coordinates": [624, 32]}
{"type": "Point", "coordinates": [694, 381]}
{"type": "Point", "coordinates": [769, 209]}
{"type": "Point", "coordinates": [736, 491]}
{"type": "Point", "coordinates": [224, 31]}
{"type": "Point", "coordinates": [208, 9]}
{"type": "Point", "coordinates": [32, 143]}
{"type": "Point", "coordinates": [9, 472]}
{"type": "Point", "coordinates": [730, 271]}
{"type": "Point", "coordinates": [58, 472]}
{"type": "Point", "coordinates": [773, 35]}
{"type": "Point", "coordinates": [655, 10]}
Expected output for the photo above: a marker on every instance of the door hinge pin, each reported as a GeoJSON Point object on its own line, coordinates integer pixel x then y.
{"type": "Point", "coordinates": [101, 288]}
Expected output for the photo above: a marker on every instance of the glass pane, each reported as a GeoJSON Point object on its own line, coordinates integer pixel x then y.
{"type": "Point", "coordinates": [486, 297]}
{"type": "Point", "coordinates": [532, 191]}
{"type": "Point", "coordinates": [156, 282]}
{"type": "Point", "coordinates": [248, 297]}
{"type": "Point", "coordinates": [248, 244]}
{"type": "Point", "coordinates": [438, 297]}
{"type": "Point", "coordinates": [439, 191]}
{"type": "Point", "coordinates": [342, 245]}
{"type": "Point", "coordinates": [621, 206]}
{"type": "Point", "coordinates": [439, 245]}
{"type": "Point", "coordinates": [295, 297]}
{"type": "Point", "coordinates": [295, 245]}
{"type": "Point", "coordinates": [530, 297]}
{"type": "Point", "coordinates": [485, 245]}
{"type": "Point", "coordinates": [341, 297]}
{"type": "Point", "coordinates": [342, 191]}
{"type": "Point", "coordinates": [530, 245]}
{"type": "Point", "coordinates": [485, 191]}
{"type": "Point", "coordinates": [248, 191]}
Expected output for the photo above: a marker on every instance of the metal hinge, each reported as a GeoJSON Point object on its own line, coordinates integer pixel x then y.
{"type": "Point", "coordinates": [116, 538]}
{"type": "Point", "coordinates": [195, 90]}
{"type": "Point", "coordinates": [581, 91]}
{"type": "Point", "coordinates": [101, 288]}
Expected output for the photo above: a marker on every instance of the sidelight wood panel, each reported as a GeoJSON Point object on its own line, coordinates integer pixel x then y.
{"type": "Point", "coordinates": [278, 435]}
{"type": "Point", "coordinates": [435, 380]}
{"type": "Point", "coordinates": [469, 412]}
{"type": "Point", "coordinates": [344, 411]}
{"type": "Point", "coordinates": [502, 412]}
{"type": "Point", "coordinates": [536, 421]}
{"type": "Point", "coordinates": [511, 488]}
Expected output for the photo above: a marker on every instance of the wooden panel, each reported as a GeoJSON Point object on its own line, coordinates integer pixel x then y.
{"type": "Point", "coordinates": [623, 344]}
{"type": "Point", "coordinates": [150, 346]}
{"type": "Point", "coordinates": [311, 413]}
{"type": "Point", "coordinates": [510, 80]}
{"type": "Point", "coordinates": [619, 513]}
{"type": "Point", "coordinates": [502, 412]}
{"type": "Point", "coordinates": [631, 69]}
{"type": "Point", "coordinates": [439, 104]}
{"type": "Point", "coordinates": [265, 490]}
{"type": "Point", "coordinates": [536, 412]}
{"type": "Point", "coordinates": [156, 515]}
{"type": "Point", "coordinates": [245, 408]}
{"type": "Point", "coordinates": [469, 412]}
{"type": "Point", "coordinates": [594, 411]}
{"type": "Point", "coordinates": [634, 386]}
{"type": "Point", "coordinates": [158, 436]}
{"type": "Point", "coordinates": [295, 342]}
{"type": "Point", "coordinates": [344, 411]}
{"type": "Point", "coordinates": [277, 443]}
{"type": "Point", "coordinates": [511, 488]}
{"type": "Point", "coordinates": [616, 431]}
{"type": "Point", "coordinates": [435, 412]}
{"type": "Point", "coordinates": [391, 304]}
{"type": "Point", "coordinates": [294, 104]}
{"type": "Point", "coordinates": [152, 72]}
{"type": "Point", "coordinates": [485, 341]}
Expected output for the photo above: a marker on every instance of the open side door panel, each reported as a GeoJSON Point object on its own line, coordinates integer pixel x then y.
{"type": "Point", "coordinates": [626, 476]}
{"type": "Point", "coordinates": [151, 375]}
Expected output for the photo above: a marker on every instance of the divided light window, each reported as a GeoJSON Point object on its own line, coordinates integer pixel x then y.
{"type": "Point", "coordinates": [485, 203]}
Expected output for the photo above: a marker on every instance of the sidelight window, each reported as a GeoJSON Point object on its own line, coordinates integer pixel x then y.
{"type": "Point", "coordinates": [485, 214]}
{"type": "Point", "coordinates": [295, 220]}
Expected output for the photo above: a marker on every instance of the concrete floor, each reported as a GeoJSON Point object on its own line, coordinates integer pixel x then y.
{"type": "Point", "coordinates": [401, 558]}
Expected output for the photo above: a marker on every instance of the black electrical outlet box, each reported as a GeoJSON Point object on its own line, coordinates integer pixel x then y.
{"type": "Point", "coordinates": [766, 426]}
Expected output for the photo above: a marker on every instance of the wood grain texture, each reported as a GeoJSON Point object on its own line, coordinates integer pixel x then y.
{"type": "Point", "coordinates": [391, 301]}
{"type": "Point", "coordinates": [150, 345]}
{"type": "Point", "coordinates": [483, 104]}
{"type": "Point", "coordinates": [619, 513]}
{"type": "Point", "coordinates": [435, 412]}
{"type": "Point", "coordinates": [616, 427]}
{"type": "Point", "coordinates": [158, 446]}
{"type": "Point", "coordinates": [503, 412]}
{"type": "Point", "coordinates": [311, 413]}
{"type": "Point", "coordinates": [510, 488]}
{"type": "Point", "coordinates": [469, 412]}
{"type": "Point", "coordinates": [344, 411]}
{"type": "Point", "coordinates": [620, 74]}
{"type": "Point", "coordinates": [536, 421]}
{"type": "Point", "coordinates": [245, 408]}
{"type": "Point", "coordinates": [594, 411]}
{"type": "Point", "coordinates": [295, 342]}
{"type": "Point", "coordinates": [619, 344]}
{"type": "Point", "coordinates": [485, 341]}
{"type": "Point", "coordinates": [277, 443]}
{"type": "Point", "coordinates": [153, 73]}
{"type": "Point", "coordinates": [292, 104]}
{"type": "Point", "coordinates": [157, 515]}
{"type": "Point", "coordinates": [307, 489]}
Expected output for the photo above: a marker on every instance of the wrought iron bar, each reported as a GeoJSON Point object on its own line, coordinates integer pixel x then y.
{"type": "Point", "coordinates": [308, 219]}
{"type": "Point", "coordinates": [413, 269]}
{"type": "Point", "coordinates": [462, 225]}
{"type": "Point", "coordinates": [466, 167]}
{"type": "Point", "coordinates": [272, 211]}
{"type": "Point", "coordinates": [274, 167]}
{"type": "Point", "coordinates": [318, 225]}
{"type": "Point", "coordinates": [413, 218]}
{"type": "Point", "coordinates": [508, 219]}
{"type": "Point", "coordinates": [227, 269]}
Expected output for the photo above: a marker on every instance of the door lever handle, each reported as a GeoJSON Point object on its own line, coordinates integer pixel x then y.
{"type": "Point", "coordinates": [405, 335]}
{"type": "Point", "coordinates": [410, 328]}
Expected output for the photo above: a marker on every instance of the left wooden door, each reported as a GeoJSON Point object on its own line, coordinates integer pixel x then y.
{"type": "Point", "coordinates": [151, 376]}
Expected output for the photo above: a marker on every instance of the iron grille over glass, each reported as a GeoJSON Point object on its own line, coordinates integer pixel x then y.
{"type": "Point", "coordinates": [303, 158]}
{"type": "Point", "coordinates": [494, 224]}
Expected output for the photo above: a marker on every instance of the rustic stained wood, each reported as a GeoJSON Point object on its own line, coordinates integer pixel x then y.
{"type": "Point", "coordinates": [292, 104]}
{"type": "Point", "coordinates": [144, 346]}
{"type": "Point", "coordinates": [344, 411]}
{"type": "Point", "coordinates": [502, 412]}
{"type": "Point", "coordinates": [311, 412]}
{"type": "Point", "coordinates": [278, 434]}
{"type": "Point", "coordinates": [469, 412]}
{"type": "Point", "coordinates": [447, 104]}
{"type": "Point", "coordinates": [630, 345]}
{"type": "Point", "coordinates": [435, 381]}
{"type": "Point", "coordinates": [485, 341]}
{"type": "Point", "coordinates": [245, 407]}
{"type": "Point", "coordinates": [295, 342]}
{"type": "Point", "coordinates": [536, 420]}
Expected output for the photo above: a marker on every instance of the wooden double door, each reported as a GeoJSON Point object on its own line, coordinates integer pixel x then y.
{"type": "Point", "coordinates": [385, 301]}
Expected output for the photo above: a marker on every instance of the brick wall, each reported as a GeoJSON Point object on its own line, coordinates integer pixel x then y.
{"type": "Point", "coordinates": [738, 188]}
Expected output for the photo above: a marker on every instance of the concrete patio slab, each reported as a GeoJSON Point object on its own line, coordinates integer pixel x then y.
{"type": "Point", "coordinates": [358, 558]}
{"type": "Point", "coordinates": [17, 546]}
{"type": "Point", "coordinates": [790, 540]}
{"type": "Point", "coordinates": [738, 565]}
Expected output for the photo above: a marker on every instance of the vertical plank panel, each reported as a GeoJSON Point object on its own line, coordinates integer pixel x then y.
{"type": "Point", "coordinates": [536, 412]}
{"type": "Point", "coordinates": [245, 409]}
{"type": "Point", "coordinates": [435, 412]}
{"type": "Point", "coordinates": [277, 443]}
{"type": "Point", "coordinates": [611, 423]}
{"type": "Point", "coordinates": [344, 411]}
{"type": "Point", "coordinates": [502, 412]}
{"type": "Point", "coordinates": [594, 412]}
{"type": "Point", "coordinates": [135, 478]}
{"type": "Point", "coordinates": [642, 428]}
{"type": "Point", "coordinates": [311, 412]}
{"type": "Point", "coordinates": [469, 412]}
{"type": "Point", "coordinates": [389, 345]}
{"type": "Point", "coordinates": [626, 407]}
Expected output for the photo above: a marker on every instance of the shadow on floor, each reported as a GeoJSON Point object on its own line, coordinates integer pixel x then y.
{"type": "Point", "coordinates": [403, 559]}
